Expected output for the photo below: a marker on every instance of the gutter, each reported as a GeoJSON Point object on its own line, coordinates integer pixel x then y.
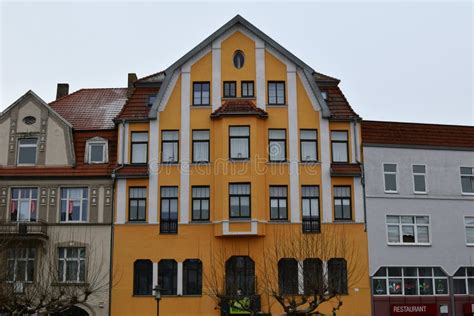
{"type": "Point", "coordinates": [112, 228]}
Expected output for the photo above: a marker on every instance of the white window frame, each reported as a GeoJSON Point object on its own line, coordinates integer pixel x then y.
{"type": "Point", "coordinates": [67, 205]}
{"type": "Point", "coordinates": [413, 174]}
{"type": "Point", "coordinates": [465, 278]}
{"type": "Point", "coordinates": [390, 172]}
{"type": "Point", "coordinates": [400, 231]}
{"type": "Point", "coordinates": [417, 277]}
{"type": "Point", "coordinates": [63, 261]}
{"type": "Point", "coordinates": [19, 146]}
{"type": "Point", "coordinates": [465, 175]}
{"type": "Point", "coordinates": [88, 151]}
{"type": "Point", "coordinates": [466, 226]}
{"type": "Point", "coordinates": [18, 200]}
{"type": "Point", "coordinates": [17, 259]}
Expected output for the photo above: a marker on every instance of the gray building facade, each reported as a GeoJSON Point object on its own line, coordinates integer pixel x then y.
{"type": "Point", "coordinates": [419, 188]}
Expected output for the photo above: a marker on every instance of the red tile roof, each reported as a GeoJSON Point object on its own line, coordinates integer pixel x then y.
{"type": "Point", "coordinates": [417, 134]}
{"type": "Point", "coordinates": [91, 109]}
{"type": "Point", "coordinates": [346, 169]}
{"type": "Point", "coordinates": [338, 104]}
{"type": "Point", "coordinates": [137, 105]}
{"type": "Point", "coordinates": [322, 78]}
{"type": "Point", "coordinates": [81, 169]}
{"type": "Point", "coordinates": [239, 107]}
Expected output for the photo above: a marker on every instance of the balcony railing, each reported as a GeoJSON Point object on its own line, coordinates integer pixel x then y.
{"type": "Point", "coordinates": [311, 225]}
{"type": "Point", "coordinates": [24, 229]}
{"type": "Point", "coordinates": [168, 226]}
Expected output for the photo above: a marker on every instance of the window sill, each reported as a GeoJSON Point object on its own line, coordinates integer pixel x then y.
{"type": "Point", "coordinates": [174, 163]}
{"type": "Point", "coordinates": [200, 163]}
{"type": "Point", "coordinates": [470, 245]}
{"type": "Point", "coordinates": [243, 220]}
{"type": "Point", "coordinates": [279, 221]}
{"type": "Point", "coordinates": [420, 193]}
{"type": "Point", "coordinates": [343, 221]}
{"type": "Point", "coordinates": [244, 160]}
{"type": "Point", "coordinates": [136, 222]}
{"type": "Point", "coordinates": [409, 244]}
{"type": "Point", "coordinates": [390, 192]}
{"type": "Point", "coordinates": [310, 162]}
{"type": "Point", "coordinates": [201, 106]}
{"type": "Point", "coordinates": [200, 222]}
{"type": "Point", "coordinates": [468, 193]}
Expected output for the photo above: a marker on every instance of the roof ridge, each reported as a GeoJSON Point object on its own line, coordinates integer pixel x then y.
{"type": "Point", "coordinates": [416, 123]}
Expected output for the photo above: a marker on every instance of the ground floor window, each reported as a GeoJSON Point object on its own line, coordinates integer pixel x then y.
{"type": "Point", "coordinates": [410, 281]}
{"type": "Point", "coordinates": [21, 264]}
{"type": "Point", "coordinates": [142, 277]}
{"type": "Point", "coordinates": [192, 277]}
{"type": "Point", "coordinates": [288, 276]}
{"type": "Point", "coordinates": [72, 264]}
{"type": "Point", "coordinates": [464, 281]}
{"type": "Point", "coordinates": [168, 276]}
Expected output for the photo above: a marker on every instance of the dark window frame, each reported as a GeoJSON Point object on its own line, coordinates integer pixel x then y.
{"type": "Point", "coordinates": [276, 89]}
{"type": "Point", "coordinates": [270, 140]}
{"type": "Point", "coordinates": [172, 274]}
{"type": "Point", "coordinates": [240, 204]}
{"type": "Point", "coordinates": [247, 82]}
{"type": "Point", "coordinates": [147, 264]}
{"type": "Point", "coordinates": [309, 141]}
{"type": "Point", "coordinates": [239, 137]}
{"type": "Point", "coordinates": [240, 274]}
{"type": "Point", "coordinates": [138, 143]}
{"type": "Point", "coordinates": [169, 141]}
{"type": "Point", "coordinates": [20, 146]}
{"type": "Point", "coordinates": [278, 198]}
{"type": "Point", "coordinates": [340, 142]}
{"type": "Point", "coordinates": [288, 283]}
{"type": "Point", "coordinates": [341, 199]}
{"type": "Point", "coordinates": [201, 83]}
{"type": "Point", "coordinates": [201, 141]}
{"type": "Point", "coordinates": [188, 265]}
{"type": "Point", "coordinates": [311, 220]}
{"type": "Point", "coordinates": [338, 286]}
{"type": "Point", "coordinates": [230, 83]}
{"type": "Point", "coordinates": [137, 200]}
{"type": "Point", "coordinates": [168, 220]}
{"type": "Point", "coordinates": [200, 199]}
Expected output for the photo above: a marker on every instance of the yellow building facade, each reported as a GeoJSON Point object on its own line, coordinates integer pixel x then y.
{"type": "Point", "coordinates": [240, 151]}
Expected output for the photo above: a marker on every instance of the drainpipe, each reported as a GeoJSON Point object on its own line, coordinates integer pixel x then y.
{"type": "Point", "coordinates": [114, 178]}
{"type": "Point", "coordinates": [362, 178]}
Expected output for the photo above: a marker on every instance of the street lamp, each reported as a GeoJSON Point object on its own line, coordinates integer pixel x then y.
{"type": "Point", "coordinates": [157, 289]}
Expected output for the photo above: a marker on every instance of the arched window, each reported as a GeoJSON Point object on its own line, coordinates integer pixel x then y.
{"type": "Point", "coordinates": [337, 276]}
{"type": "Point", "coordinates": [288, 276]}
{"type": "Point", "coordinates": [313, 276]}
{"type": "Point", "coordinates": [142, 277]}
{"type": "Point", "coordinates": [240, 275]}
{"type": "Point", "coordinates": [464, 281]}
{"type": "Point", "coordinates": [167, 276]}
{"type": "Point", "coordinates": [192, 277]}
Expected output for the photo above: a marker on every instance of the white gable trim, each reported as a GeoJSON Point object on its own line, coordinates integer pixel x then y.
{"type": "Point", "coordinates": [309, 92]}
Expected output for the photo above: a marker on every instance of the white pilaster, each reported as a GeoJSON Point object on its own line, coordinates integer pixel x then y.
{"type": "Point", "coordinates": [153, 145]}
{"type": "Point", "coordinates": [326, 192]}
{"type": "Point", "coordinates": [100, 206]}
{"type": "Point", "coordinates": [126, 144]}
{"type": "Point", "coordinates": [155, 274]}
{"type": "Point", "coordinates": [185, 145]}
{"type": "Point", "coordinates": [354, 142]}
{"type": "Point", "coordinates": [293, 144]}
{"type": "Point", "coordinates": [260, 73]}
{"type": "Point", "coordinates": [180, 279]}
{"type": "Point", "coordinates": [120, 143]}
{"type": "Point", "coordinates": [358, 200]}
{"type": "Point", "coordinates": [300, 277]}
{"type": "Point", "coordinates": [121, 196]}
{"type": "Point", "coordinates": [216, 75]}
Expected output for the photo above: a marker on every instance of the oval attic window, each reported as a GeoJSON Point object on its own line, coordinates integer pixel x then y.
{"type": "Point", "coordinates": [29, 120]}
{"type": "Point", "coordinates": [239, 59]}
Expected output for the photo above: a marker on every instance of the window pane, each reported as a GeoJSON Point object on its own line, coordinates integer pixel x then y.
{"type": "Point", "coordinates": [470, 235]}
{"type": "Point", "coordinates": [411, 287]}
{"type": "Point", "coordinates": [388, 167]}
{"type": "Point", "coordinates": [139, 137]}
{"type": "Point", "coordinates": [339, 152]}
{"type": "Point", "coordinates": [418, 168]}
{"type": "Point", "coordinates": [97, 152]}
{"type": "Point", "coordinates": [390, 182]}
{"type": "Point", "coordinates": [27, 155]}
{"type": "Point", "coordinates": [139, 153]}
{"type": "Point", "coordinates": [200, 192]}
{"type": "Point", "coordinates": [408, 234]}
{"type": "Point", "coordinates": [170, 135]}
{"type": "Point", "coordinates": [393, 233]}
{"type": "Point", "coordinates": [239, 131]}
{"type": "Point", "coordinates": [467, 184]}
{"type": "Point", "coordinates": [277, 151]}
{"type": "Point", "coordinates": [395, 286]}
{"type": "Point", "coordinates": [310, 191]}
{"type": "Point", "coordinates": [441, 286]}
{"type": "Point", "coordinates": [459, 286]}
{"type": "Point", "coordinates": [467, 171]}
{"type": "Point", "coordinates": [393, 219]}
{"type": "Point", "coordinates": [380, 286]}
{"type": "Point", "coordinates": [201, 151]}
{"type": "Point", "coordinates": [308, 151]}
{"type": "Point", "coordinates": [422, 220]}
{"type": "Point", "coordinates": [419, 183]}
{"type": "Point", "coordinates": [340, 136]}
{"type": "Point", "coordinates": [423, 235]}
{"type": "Point", "coordinates": [239, 148]}
{"type": "Point", "coordinates": [426, 286]}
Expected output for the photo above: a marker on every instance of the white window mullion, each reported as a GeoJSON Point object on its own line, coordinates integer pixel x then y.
{"type": "Point", "coordinates": [180, 279]}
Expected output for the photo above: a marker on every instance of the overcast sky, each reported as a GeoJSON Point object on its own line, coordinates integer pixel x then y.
{"type": "Point", "coordinates": [405, 61]}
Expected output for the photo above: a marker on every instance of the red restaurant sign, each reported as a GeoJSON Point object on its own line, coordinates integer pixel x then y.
{"type": "Point", "coordinates": [414, 310]}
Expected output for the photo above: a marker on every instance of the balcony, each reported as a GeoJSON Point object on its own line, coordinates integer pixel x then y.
{"type": "Point", "coordinates": [26, 230]}
{"type": "Point", "coordinates": [168, 226]}
{"type": "Point", "coordinates": [236, 227]}
{"type": "Point", "coordinates": [311, 224]}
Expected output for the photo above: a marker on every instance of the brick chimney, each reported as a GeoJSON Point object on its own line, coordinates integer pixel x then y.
{"type": "Point", "coordinates": [132, 77]}
{"type": "Point", "coordinates": [63, 90]}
